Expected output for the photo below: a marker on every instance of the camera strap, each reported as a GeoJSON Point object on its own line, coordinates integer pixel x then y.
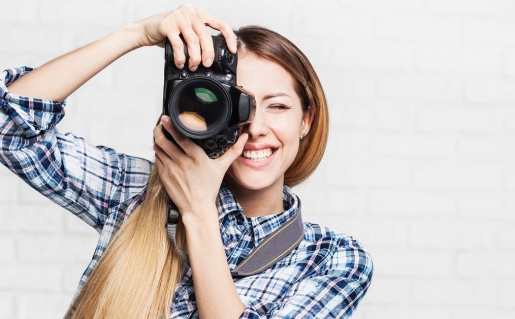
{"type": "Point", "coordinates": [273, 248]}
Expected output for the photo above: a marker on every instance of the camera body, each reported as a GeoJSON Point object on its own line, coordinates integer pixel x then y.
{"type": "Point", "coordinates": [207, 105]}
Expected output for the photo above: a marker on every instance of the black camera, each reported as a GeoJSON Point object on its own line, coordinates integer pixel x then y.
{"type": "Point", "coordinates": [207, 105]}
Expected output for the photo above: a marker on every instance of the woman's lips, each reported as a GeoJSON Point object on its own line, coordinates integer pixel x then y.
{"type": "Point", "coordinates": [257, 158]}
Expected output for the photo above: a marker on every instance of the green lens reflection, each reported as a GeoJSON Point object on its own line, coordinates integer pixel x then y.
{"type": "Point", "coordinates": [205, 96]}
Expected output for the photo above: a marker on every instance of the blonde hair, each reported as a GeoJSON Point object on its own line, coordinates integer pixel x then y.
{"type": "Point", "coordinates": [137, 274]}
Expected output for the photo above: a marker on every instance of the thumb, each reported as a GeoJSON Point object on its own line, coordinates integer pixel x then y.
{"type": "Point", "coordinates": [232, 154]}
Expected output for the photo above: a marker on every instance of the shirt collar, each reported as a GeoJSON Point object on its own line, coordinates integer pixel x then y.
{"type": "Point", "coordinates": [262, 226]}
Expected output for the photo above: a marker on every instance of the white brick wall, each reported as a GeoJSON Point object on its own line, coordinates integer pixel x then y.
{"type": "Point", "coordinates": [420, 165]}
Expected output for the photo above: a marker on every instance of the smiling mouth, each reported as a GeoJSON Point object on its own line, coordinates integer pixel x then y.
{"type": "Point", "coordinates": [258, 155]}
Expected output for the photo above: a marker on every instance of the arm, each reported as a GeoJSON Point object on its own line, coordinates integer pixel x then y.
{"type": "Point", "coordinates": [192, 180]}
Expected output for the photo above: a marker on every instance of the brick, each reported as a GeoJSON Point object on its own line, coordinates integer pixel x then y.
{"type": "Point", "coordinates": [486, 206]}
{"type": "Point", "coordinates": [489, 90]}
{"type": "Point", "coordinates": [395, 5]}
{"type": "Point", "coordinates": [74, 225]}
{"type": "Point", "coordinates": [25, 12]}
{"type": "Point", "coordinates": [474, 264]}
{"type": "Point", "coordinates": [437, 88]}
{"type": "Point", "coordinates": [506, 237]}
{"type": "Point", "coordinates": [406, 263]}
{"type": "Point", "coordinates": [377, 57]}
{"type": "Point", "coordinates": [7, 249]}
{"type": "Point", "coordinates": [335, 201]}
{"type": "Point", "coordinates": [445, 234]}
{"type": "Point", "coordinates": [43, 305]}
{"type": "Point", "coordinates": [419, 28]}
{"type": "Point", "coordinates": [347, 143]}
{"type": "Point", "coordinates": [395, 86]}
{"type": "Point", "coordinates": [456, 176]}
{"type": "Point", "coordinates": [7, 213]}
{"type": "Point", "coordinates": [54, 248]}
{"type": "Point", "coordinates": [475, 7]}
{"type": "Point", "coordinates": [491, 148]}
{"type": "Point", "coordinates": [368, 173]}
{"type": "Point", "coordinates": [381, 292]}
{"type": "Point", "coordinates": [8, 193]}
{"type": "Point", "coordinates": [411, 145]}
{"type": "Point", "coordinates": [71, 277]}
{"type": "Point", "coordinates": [350, 85]}
{"type": "Point", "coordinates": [375, 311]}
{"type": "Point", "coordinates": [460, 60]}
{"type": "Point", "coordinates": [39, 219]}
{"type": "Point", "coordinates": [508, 174]}
{"type": "Point", "coordinates": [490, 31]}
{"type": "Point", "coordinates": [475, 313]}
{"type": "Point", "coordinates": [507, 295]}
{"type": "Point", "coordinates": [82, 14]}
{"type": "Point", "coordinates": [509, 124]}
{"type": "Point", "coordinates": [457, 119]}
{"type": "Point", "coordinates": [41, 40]}
{"type": "Point", "coordinates": [7, 305]}
{"type": "Point", "coordinates": [393, 203]}
{"type": "Point", "coordinates": [451, 292]}
{"type": "Point", "coordinates": [509, 62]}
{"type": "Point", "coordinates": [36, 277]}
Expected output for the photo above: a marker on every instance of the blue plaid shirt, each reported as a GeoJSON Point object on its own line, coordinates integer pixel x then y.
{"type": "Point", "coordinates": [325, 277]}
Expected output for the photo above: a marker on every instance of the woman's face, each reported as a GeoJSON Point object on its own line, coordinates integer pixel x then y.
{"type": "Point", "coordinates": [276, 129]}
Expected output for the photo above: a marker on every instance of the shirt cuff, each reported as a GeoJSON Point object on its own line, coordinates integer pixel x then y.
{"type": "Point", "coordinates": [33, 115]}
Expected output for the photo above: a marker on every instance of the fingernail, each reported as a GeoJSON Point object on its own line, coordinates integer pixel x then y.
{"type": "Point", "coordinates": [208, 62]}
{"type": "Point", "coordinates": [180, 66]}
{"type": "Point", "coordinates": [164, 119]}
{"type": "Point", "coordinates": [194, 68]}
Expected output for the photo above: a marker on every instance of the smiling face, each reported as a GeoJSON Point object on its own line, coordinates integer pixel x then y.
{"type": "Point", "coordinates": [275, 130]}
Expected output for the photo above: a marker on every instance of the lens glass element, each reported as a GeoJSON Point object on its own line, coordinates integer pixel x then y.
{"type": "Point", "coordinates": [201, 106]}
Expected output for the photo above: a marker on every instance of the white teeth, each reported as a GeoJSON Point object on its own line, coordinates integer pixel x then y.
{"type": "Point", "coordinates": [258, 155]}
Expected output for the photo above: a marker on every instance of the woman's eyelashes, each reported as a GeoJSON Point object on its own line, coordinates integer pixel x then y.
{"type": "Point", "coordinates": [279, 107]}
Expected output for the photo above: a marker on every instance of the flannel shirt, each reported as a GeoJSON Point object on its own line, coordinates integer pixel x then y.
{"type": "Point", "coordinates": [324, 277]}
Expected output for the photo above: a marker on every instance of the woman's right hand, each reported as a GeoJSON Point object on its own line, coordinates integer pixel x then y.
{"type": "Point", "coordinates": [192, 24]}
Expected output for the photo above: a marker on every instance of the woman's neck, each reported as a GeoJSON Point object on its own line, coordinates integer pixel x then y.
{"type": "Point", "coordinates": [258, 202]}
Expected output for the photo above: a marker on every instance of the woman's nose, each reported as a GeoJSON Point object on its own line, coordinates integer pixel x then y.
{"type": "Point", "coordinates": [257, 128]}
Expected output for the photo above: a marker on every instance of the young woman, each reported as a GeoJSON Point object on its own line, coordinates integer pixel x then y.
{"type": "Point", "coordinates": [228, 205]}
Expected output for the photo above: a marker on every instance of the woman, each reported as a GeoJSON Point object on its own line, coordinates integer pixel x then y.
{"type": "Point", "coordinates": [228, 205]}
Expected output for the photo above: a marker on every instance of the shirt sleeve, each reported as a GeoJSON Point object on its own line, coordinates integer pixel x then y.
{"type": "Point", "coordinates": [334, 293]}
{"type": "Point", "coordinates": [88, 181]}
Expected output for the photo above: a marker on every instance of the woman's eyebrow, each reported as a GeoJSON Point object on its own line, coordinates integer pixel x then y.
{"type": "Point", "coordinates": [272, 95]}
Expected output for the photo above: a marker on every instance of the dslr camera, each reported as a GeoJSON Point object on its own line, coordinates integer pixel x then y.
{"type": "Point", "coordinates": [206, 105]}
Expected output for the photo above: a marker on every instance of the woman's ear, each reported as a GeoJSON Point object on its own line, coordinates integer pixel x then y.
{"type": "Point", "coordinates": [307, 119]}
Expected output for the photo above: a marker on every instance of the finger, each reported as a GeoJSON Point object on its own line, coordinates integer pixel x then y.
{"type": "Point", "coordinates": [169, 26]}
{"type": "Point", "coordinates": [187, 145]}
{"type": "Point", "coordinates": [206, 41]}
{"type": "Point", "coordinates": [235, 151]}
{"type": "Point", "coordinates": [223, 26]}
{"type": "Point", "coordinates": [168, 147]}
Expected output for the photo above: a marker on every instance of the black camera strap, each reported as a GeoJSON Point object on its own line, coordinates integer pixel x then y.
{"type": "Point", "coordinates": [273, 248]}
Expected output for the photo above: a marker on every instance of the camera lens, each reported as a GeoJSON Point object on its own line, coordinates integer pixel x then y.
{"type": "Point", "coordinates": [200, 107]}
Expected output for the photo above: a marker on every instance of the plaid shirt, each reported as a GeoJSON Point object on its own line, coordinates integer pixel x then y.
{"type": "Point", "coordinates": [324, 277]}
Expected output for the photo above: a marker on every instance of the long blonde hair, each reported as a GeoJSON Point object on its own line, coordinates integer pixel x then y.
{"type": "Point", "coordinates": [137, 274]}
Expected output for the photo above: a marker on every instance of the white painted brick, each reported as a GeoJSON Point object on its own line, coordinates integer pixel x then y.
{"type": "Point", "coordinates": [39, 219]}
{"type": "Point", "coordinates": [461, 60]}
{"type": "Point", "coordinates": [509, 62]}
{"type": "Point", "coordinates": [395, 86]}
{"type": "Point", "coordinates": [377, 57]}
{"type": "Point", "coordinates": [413, 263]}
{"type": "Point", "coordinates": [411, 203]}
{"type": "Point", "coordinates": [335, 201]}
{"type": "Point", "coordinates": [381, 291]}
{"type": "Point", "coordinates": [486, 206]}
{"type": "Point", "coordinates": [506, 237]}
{"type": "Point", "coordinates": [456, 176]}
{"type": "Point", "coordinates": [74, 225]}
{"type": "Point", "coordinates": [71, 277]}
{"type": "Point", "coordinates": [347, 143]}
{"type": "Point", "coordinates": [386, 233]}
{"type": "Point", "coordinates": [409, 145]}
{"type": "Point", "coordinates": [419, 28]}
{"type": "Point", "coordinates": [45, 39]}
{"type": "Point", "coordinates": [52, 248]}
{"type": "Point", "coordinates": [474, 264]}
{"type": "Point", "coordinates": [437, 88]}
{"type": "Point", "coordinates": [383, 115]}
{"type": "Point", "coordinates": [43, 305]}
{"type": "Point", "coordinates": [509, 123]}
{"type": "Point", "coordinates": [6, 305]}
{"type": "Point", "coordinates": [394, 5]}
{"type": "Point", "coordinates": [8, 193]}
{"type": "Point", "coordinates": [368, 173]}
{"type": "Point", "coordinates": [458, 119]}
{"type": "Point", "coordinates": [80, 14]}
{"type": "Point", "coordinates": [491, 148]}
{"type": "Point", "coordinates": [453, 292]}
{"type": "Point", "coordinates": [489, 90]}
{"type": "Point", "coordinates": [376, 311]}
{"type": "Point", "coordinates": [7, 248]}
{"type": "Point", "coordinates": [351, 85]}
{"type": "Point", "coordinates": [507, 294]}
{"type": "Point", "coordinates": [7, 213]}
{"type": "Point", "coordinates": [445, 234]}
{"type": "Point", "coordinates": [491, 31]}
{"type": "Point", "coordinates": [475, 313]}
{"type": "Point", "coordinates": [476, 7]}
{"type": "Point", "coordinates": [25, 12]}
{"type": "Point", "coordinates": [509, 178]}
{"type": "Point", "coordinates": [34, 277]}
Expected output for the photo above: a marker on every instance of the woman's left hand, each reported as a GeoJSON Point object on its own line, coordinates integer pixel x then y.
{"type": "Point", "coordinates": [191, 178]}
